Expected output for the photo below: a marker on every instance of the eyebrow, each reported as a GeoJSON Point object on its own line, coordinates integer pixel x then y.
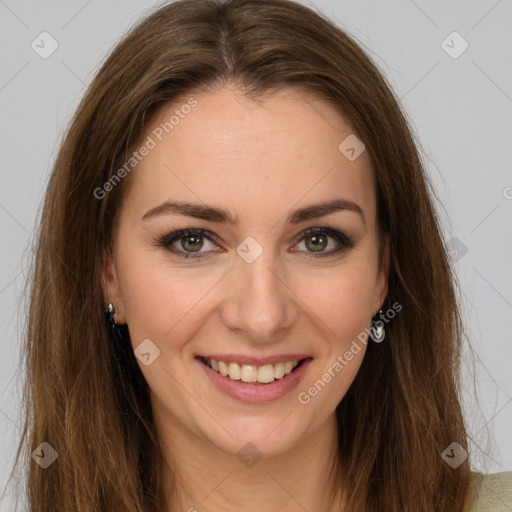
{"type": "Point", "coordinates": [213, 214]}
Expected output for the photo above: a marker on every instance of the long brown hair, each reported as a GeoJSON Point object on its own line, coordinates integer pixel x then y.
{"type": "Point", "coordinates": [85, 394]}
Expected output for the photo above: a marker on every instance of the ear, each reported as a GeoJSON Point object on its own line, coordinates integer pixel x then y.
{"type": "Point", "coordinates": [111, 289]}
{"type": "Point", "coordinates": [382, 281]}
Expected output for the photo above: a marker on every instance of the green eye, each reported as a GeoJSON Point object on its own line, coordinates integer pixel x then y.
{"type": "Point", "coordinates": [319, 242]}
{"type": "Point", "coordinates": [196, 244]}
{"type": "Point", "coordinates": [192, 241]}
{"type": "Point", "coordinates": [319, 239]}
{"type": "Point", "coordinates": [315, 239]}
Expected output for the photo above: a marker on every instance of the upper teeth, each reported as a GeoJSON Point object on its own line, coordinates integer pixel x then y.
{"type": "Point", "coordinates": [252, 373]}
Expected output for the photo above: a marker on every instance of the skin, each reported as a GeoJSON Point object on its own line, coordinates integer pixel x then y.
{"type": "Point", "coordinates": [260, 162]}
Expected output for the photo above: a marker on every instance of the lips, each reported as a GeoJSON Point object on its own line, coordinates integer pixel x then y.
{"type": "Point", "coordinates": [254, 392]}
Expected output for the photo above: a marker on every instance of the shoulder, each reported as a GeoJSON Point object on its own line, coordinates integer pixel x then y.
{"type": "Point", "coordinates": [494, 492]}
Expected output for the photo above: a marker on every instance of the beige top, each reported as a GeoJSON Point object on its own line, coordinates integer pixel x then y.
{"type": "Point", "coordinates": [495, 492]}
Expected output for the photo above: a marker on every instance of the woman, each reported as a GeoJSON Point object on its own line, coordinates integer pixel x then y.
{"type": "Point", "coordinates": [240, 193]}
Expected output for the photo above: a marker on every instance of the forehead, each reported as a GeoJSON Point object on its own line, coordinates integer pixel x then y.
{"type": "Point", "coordinates": [227, 149]}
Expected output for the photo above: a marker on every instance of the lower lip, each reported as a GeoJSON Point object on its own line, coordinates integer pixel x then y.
{"type": "Point", "coordinates": [256, 393]}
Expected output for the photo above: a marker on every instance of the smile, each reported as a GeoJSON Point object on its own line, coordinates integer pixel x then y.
{"type": "Point", "coordinates": [254, 383]}
{"type": "Point", "coordinates": [264, 374]}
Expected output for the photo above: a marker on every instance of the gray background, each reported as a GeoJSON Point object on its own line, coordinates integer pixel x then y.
{"type": "Point", "coordinates": [460, 109]}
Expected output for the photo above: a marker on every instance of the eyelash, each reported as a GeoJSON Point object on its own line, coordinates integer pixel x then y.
{"type": "Point", "coordinates": [166, 240]}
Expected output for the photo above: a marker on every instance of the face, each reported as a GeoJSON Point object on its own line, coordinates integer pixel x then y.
{"type": "Point", "coordinates": [258, 286]}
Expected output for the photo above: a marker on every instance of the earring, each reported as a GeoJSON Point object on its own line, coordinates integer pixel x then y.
{"type": "Point", "coordinates": [115, 330]}
{"type": "Point", "coordinates": [110, 312]}
{"type": "Point", "coordinates": [377, 333]}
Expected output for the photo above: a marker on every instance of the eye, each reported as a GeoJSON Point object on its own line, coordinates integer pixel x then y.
{"type": "Point", "coordinates": [187, 243]}
{"type": "Point", "coordinates": [191, 242]}
{"type": "Point", "coordinates": [317, 239]}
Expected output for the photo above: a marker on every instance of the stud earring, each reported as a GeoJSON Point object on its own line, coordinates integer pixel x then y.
{"type": "Point", "coordinates": [377, 332]}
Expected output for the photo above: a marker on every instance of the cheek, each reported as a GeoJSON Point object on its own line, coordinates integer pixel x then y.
{"type": "Point", "coordinates": [162, 302]}
{"type": "Point", "coordinates": [340, 302]}
{"type": "Point", "coordinates": [341, 298]}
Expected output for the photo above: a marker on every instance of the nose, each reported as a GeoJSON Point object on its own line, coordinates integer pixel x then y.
{"type": "Point", "coordinates": [259, 305]}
